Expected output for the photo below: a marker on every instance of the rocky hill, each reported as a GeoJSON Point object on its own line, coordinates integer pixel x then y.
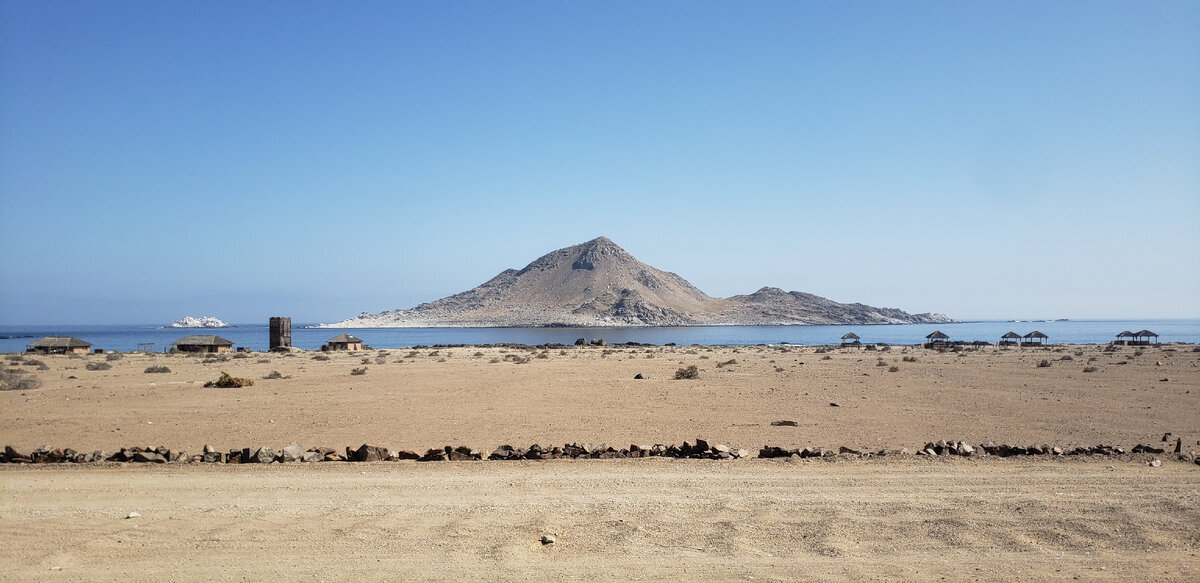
{"type": "Point", "coordinates": [598, 283]}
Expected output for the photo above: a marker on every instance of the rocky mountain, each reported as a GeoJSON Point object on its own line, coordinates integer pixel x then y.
{"type": "Point", "coordinates": [598, 283]}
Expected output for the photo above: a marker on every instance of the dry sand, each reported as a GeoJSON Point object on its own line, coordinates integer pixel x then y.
{"type": "Point", "coordinates": [903, 518]}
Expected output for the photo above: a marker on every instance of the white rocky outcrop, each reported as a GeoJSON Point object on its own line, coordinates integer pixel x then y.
{"type": "Point", "coordinates": [201, 322]}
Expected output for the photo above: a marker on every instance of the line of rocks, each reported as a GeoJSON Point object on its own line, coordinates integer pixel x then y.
{"type": "Point", "coordinates": [701, 449]}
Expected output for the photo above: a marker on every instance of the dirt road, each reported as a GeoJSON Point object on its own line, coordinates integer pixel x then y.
{"type": "Point", "coordinates": [652, 519]}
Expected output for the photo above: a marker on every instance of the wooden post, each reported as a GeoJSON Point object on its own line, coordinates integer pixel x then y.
{"type": "Point", "coordinates": [281, 332]}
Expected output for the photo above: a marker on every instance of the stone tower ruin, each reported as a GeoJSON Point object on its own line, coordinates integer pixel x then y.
{"type": "Point", "coordinates": [281, 332]}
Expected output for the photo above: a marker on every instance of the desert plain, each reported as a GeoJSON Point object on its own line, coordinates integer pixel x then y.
{"type": "Point", "coordinates": [849, 517]}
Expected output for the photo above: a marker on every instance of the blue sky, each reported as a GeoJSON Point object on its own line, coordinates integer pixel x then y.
{"type": "Point", "coordinates": [242, 160]}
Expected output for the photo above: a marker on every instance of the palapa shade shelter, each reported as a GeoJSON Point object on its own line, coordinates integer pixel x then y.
{"type": "Point", "coordinates": [203, 343]}
{"type": "Point", "coordinates": [59, 345]}
{"type": "Point", "coordinates": [1125, 337]}
{"type": "Point", "coordinates": [850, 339]}
{"type": "Point", "coordinates": [936, 337]}
{"type": "Point", "coordinates": [344, 342]}
{"type": "Point", "coordinates": [1035, 338]}
{"type": "Point", "coordinates": [1147, 335]}
{"type": "Point", "coordinates": [1010, 338]}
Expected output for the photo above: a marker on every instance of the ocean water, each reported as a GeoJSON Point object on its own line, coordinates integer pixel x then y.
{"type": "Point", "coordinates": [255, 336]}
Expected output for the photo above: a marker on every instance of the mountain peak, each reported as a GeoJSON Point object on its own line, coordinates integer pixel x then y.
{"type": "Point", "coordinates": [597, 283]}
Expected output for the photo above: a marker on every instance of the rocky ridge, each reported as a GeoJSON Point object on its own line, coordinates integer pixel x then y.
{"type": "Point", "coordinates": [598, 283]}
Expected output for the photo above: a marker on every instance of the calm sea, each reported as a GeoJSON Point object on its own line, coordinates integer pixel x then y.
{"type": "Point", "coordinates": [255, 336]}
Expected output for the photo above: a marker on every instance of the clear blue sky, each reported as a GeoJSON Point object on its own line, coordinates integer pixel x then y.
{"type": "Point", "coordinates": [316, 159]}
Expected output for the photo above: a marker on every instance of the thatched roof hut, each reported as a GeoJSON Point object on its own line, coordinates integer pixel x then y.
{"type": "Point", "coordinates": [937, 335]}
{"type": "Point", "coordinates": [1010, 338]}
{"type": "Point", "coordinates": [850, 336]}
{"type": "Point", "coordinates": [1145, 334]}
{"type": "Point", "coordinates": [1034, 337]}
{"type": "Point", "coordinates": [343, 342]}
{"type": "Point", "coordinates": [203, 343]}
{"type": "Point", "coordinates": [59, 345]}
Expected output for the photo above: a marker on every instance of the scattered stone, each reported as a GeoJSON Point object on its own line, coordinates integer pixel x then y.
{"type": "Point", "coordinates": [785, 423]}
{"type": "Point", "coordinates": [148, 457]}
{"type": "Point", "coordinates": [548, 539]}
{"type": "Point", "coordinates": [1166, 436]}
{"type": "Point", "coordinates": [369, 453]}
{"type": "Point", "coordinates": [312, 457]}
{"type": "Point", "coordinates": [1154, 463]}
{"type": "Point", "coordinates": [638, 376]}
{"type": "Point", "coordinates": [1178, 444]}
{"type": "Point", "coordinates": [210, 449]}
{"type": "Point", "coordinates": [263, 455]}
{"type": "Point", "coordinates": [132, 515]}
{"type": "Point", "coordinates": [834, 405]}
{"type": "Point", "coordinates": [292, 452]}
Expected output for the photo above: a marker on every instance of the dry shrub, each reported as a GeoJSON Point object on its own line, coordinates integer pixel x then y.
{"type": "Point", "coordinates": [157, 369]}
{"type": "Point", "coordinates": [229, 382]}
{"type": "Point", "coordinates": [274, 375]}
{"type": "Point", "coordinates": [359, 371]}
{"type": "Point", "coordinates": [98, 366]}
{"type": "Point", "coordinates": [18, 381]}
{"type": "Point", "coordinates": [729, 362]}
{"type": "Point", "coordinates": [688, 372]}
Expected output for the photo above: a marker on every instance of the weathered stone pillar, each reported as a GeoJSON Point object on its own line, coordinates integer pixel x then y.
{"type": "Point", "coordinates": [281, 332]}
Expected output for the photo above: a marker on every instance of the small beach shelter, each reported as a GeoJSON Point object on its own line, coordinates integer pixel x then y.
{"type": "Point", "coordinates": [1147, 335]}
{"type": "Point", "coordinates": [1035, 338]}
{"type": "Point", "coordinates": [59, 345]}
{"type": "Point", "coordinates": [1010, 338]}
{"type": "Point", "coordinates": [850, 339]}
{"type": "Point", "coordinates": [344, 342]}
{"type": "Point", "coordinates": [203, 343]}
{"type": "Point", "coordinates": [937, 337]}
{"type": "Point", "coordinates": [1125, 337]}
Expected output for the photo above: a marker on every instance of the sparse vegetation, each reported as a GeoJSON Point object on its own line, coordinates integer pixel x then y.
{"type": "Point", "coordinates": [1067, 357]}
{"type": "Point", "coordinates": [98, 366]}
{"type": "Point", "coordinates": [893, 368]}
{"type": "Point", "coordinates": [687, 372]}
{"type": "Point", "coordinates": [274, 375]}
{"type": "Point", "coordinates": [909, 359]}
{"type": "Point", "coordinates": [18, 381]}
{"type": "Point", "coordinates": [156, 369]}
{"type": "Point", "coordinates": [729, 362]}
{"type": "Point", "coordinates": [826, 357]}
{"type": "Point", "coordinates": [1089, 369]}
{"type": "Point", "coordinates": [1043, 363]}
{"type": "Point", "coordinates": [229, 382]}
{"type": "Point", "coordinates": [320, 357]}
{"type": "Point", "coordinates": [113, 356]}
{"type": "Point", "coordinates": [359, 371]}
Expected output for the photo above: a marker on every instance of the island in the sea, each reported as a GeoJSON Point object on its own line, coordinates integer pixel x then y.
{"type": "Point", "coordinates": [201, 322]}
{"type": "Point", "coordinates": [598, 283]}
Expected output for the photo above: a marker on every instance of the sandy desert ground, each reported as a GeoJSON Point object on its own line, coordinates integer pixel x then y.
{"type": "Point", "coordinates": [894, 518]}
